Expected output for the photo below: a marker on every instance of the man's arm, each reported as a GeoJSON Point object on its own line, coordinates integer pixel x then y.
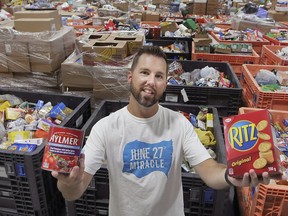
{"type": "Point", "coordinates": [213, 174]}
{"type": "Point", "coordinates": [73, 185]}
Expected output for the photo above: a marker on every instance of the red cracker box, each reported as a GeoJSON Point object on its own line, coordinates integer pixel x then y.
{"type": "Point", "coordinates": [62, 149]}
{"type": "Point", "coordinates": [250, 144]}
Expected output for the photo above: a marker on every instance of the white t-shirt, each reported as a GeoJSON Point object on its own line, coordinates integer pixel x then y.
{"type": "Point", "coordinates": [144, 158]}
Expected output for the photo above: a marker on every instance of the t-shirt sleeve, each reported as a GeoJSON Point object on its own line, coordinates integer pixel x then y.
{"type": "Point", "coordinates": [194, 150]}
{"type": "Point", "coordinates": [94, 149]}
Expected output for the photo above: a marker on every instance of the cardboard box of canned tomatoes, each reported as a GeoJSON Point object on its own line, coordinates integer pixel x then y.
{"type": "Point", "coordinates": [62, 150]}
{"type": "Point", "coordinates": [249, 142]}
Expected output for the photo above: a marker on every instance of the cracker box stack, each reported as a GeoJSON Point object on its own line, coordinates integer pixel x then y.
{"type": "Point", "coordinates": [249, 142]}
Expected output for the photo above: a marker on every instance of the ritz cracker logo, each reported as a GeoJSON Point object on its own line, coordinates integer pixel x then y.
{"type": "Point", "coordinates": [243, 135]}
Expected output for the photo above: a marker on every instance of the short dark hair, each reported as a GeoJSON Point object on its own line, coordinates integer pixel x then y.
{"type": "Point", "coordinates": [150, 50]}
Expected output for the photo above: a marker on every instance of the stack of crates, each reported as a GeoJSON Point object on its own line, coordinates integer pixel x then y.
{"type": "Point", "coordinates": [25, 188]}
{"type": "Point", "coordinates": [254, 96]}
{"type": "Point", "coordinates": [199, 199]}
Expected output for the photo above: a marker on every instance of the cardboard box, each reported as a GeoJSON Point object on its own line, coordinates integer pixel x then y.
{"type": "Point", "coordinates": [241, 47]}
{"type": "Point", "coordinates": [69, 40]}
{"type": "Point", "coordinates": [249, 143]}
{"type": "Point", "coordinates": [46, 65]}
{"type": "Point", "coordinates": [110, 82]}
{"type": "Point", "coordinates": [202, 41]}
{"type": "Point", "coordinates": [98, 51]}
{"type": "Point", "coordinates": [53, 46]}
{"type": "Point", "coordinates": [76, 75]}
{"type": "Point", "coordinates": [13, 9]}
{"type": "Point", "coordinates": [40, 15]}
{"type": "Point", "coordinates": [151, 16]}
{"type": "Point", "coordinates": [123, 6]}
{"type": "Point", "coordinates": [278, 16]}
{"type": "Point", "coordinates": [168, 26]}
{"type": "Point", "coordinates": [16, 48]}
{"type": "Point", "coordinates": [97, 36]}
{"type": "Point", "coordinates": [137, 16]}
{"type": "Point", "coordinates": [35, 25]}
{"type": "Point", "coordinates": [134, 42]}
{"type": "Point", "coordinates": [18, 64]}
{"type": "Point", "coordinates": [223, 48]}
{"type": "Point", "coordinates": [3, 63]}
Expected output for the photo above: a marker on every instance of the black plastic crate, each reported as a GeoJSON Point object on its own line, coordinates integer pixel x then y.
{"type": "Point", "coordinates": [188, 39]}
{"type": "Point", "coordinates": [199, 199]}
{"type": "Point", "coordinates": [186, 55]}
{"type": "Point", "coordinates": [81, 105]}
{"type": "Point", "coordinates": [26, 189]}
{"type": "Point", "coordinates": [226, 100]}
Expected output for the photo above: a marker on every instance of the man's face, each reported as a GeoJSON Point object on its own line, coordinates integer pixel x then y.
{"type": "Point", "coordinates": [148, 80]}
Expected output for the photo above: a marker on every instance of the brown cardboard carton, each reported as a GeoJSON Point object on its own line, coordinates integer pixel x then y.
{"type": "Point", "coordinates": [278, 16]}
{"type": "Point", "coordinates": [35, 25]}
{"type": "Point", "coordinates": [123, 6]}
{"type": "Point", "coordinates": [3, 63]}
{"type": "Point", "coordinates": [134, 42]}
{"type": "Point", "coordinates": [97, 36]}
{"type": "Point", "coordinates": [202, 41]}
{"type": "Point", "coordinates": [75, 75]}
{"type": "Point", "coordinates": [137, 16]}
{"type": "Point", "coordinates": [18, 64]}
{"type": "Point", "coordinates": [53, 46]}
{"type": "Point", "coordinates": [110, 82]}
{"type": "Point", "coordinates": [40, 14]}
{"type": "Point", "coordinates": [16, 48]}
{"type": "Point", "coordinates": [47, 65]}
{"type": "Point", "coordinates": [151, 16]}
{"type": "Point", "coordinates": [168, 26]}
{"type": "Point", "coordinates": [98, 51]}
{"type": "Point", "coordinates": [69, 40]}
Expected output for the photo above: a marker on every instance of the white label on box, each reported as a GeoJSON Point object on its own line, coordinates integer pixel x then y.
{"type": "Point", "coordinates": [184, 94]}
{"type": "Point", "coordinates": [8, 48]}
{"type": "Point", "coordinates": [53, 27]}
{"type": "Point", "coordinates": [3, 172]}
{"type": "Point", "coordinates": [79, 121]}
{"type": "Point", "coordinates": [171, 98]}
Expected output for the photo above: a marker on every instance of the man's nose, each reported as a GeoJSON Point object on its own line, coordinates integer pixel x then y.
{"type": "Point", "coordinates": [151, 80]}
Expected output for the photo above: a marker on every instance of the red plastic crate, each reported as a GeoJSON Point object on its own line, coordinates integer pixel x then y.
{"type": "Point", "coordinates": [273, 41]}
{"type": "Point", "coordinates": [264, 200]}
{"type": "Point", "coordinates": [257, 45]}
{"type": "Point", "coordinates": [270, 200]}
{"type": "Point", "coordinates": [252, 93]}
{"type": "Point", "coordinates": [269, 57]}
{"type": "Point", "coordinates": [236, 61]}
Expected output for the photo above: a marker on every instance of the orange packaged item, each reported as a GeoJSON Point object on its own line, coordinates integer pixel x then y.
{"type": "Point", "coordinates": [250, 144]}
{"type": "Point", "coordinates": [62, 149]}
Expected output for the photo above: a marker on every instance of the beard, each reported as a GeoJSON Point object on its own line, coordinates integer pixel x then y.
{"type": "Point", "coordinates": [143, 100]}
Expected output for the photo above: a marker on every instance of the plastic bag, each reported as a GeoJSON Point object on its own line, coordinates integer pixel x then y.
{"type": "Point", "coordinates": [209, 72]}
{"type": "Point", "coordinates": [265, 77]}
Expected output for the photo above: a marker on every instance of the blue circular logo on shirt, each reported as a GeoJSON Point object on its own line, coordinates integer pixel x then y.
{"type": "Point", "coordinates": [243, 135]}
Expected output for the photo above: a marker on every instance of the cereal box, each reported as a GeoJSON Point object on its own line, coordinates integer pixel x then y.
{"type": "Point", "coordinates": [249, 142]}
{"type": "Point", "coordinates": [62, 149]}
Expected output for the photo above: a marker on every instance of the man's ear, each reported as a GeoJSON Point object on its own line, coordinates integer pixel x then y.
{"type": "Point", "coordinates": [129, 76]}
